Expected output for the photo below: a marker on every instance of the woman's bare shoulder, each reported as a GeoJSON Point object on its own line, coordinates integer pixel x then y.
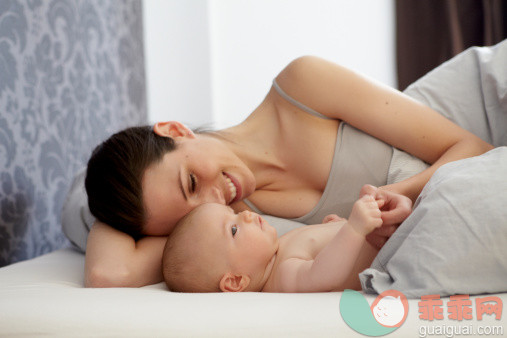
{"type": "Point", "coordinates": [310, 79]}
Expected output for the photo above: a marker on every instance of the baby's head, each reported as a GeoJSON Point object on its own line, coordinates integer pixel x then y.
{"type": "Point", "coordinates": [212, 249]}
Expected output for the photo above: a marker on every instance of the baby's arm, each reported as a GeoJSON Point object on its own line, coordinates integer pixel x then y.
{"type": "Point", "coordinates": [332, 218]}
{"type": "Point", "coordinates": [334, 263]}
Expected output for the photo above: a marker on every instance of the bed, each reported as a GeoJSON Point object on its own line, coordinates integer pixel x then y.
{"type": "Point", "coordinates": [76, 67]}
{"type": "Point", "coordinates": [45, 297]}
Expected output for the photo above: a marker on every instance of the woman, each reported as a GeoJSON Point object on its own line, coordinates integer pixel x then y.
{"type": "Point", "coordinates": [287, 159]}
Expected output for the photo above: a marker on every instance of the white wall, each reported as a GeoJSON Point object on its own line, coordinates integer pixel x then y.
{"type": "Point", "coordinates": [177, 54]}
{"type": "Point", "coordinates": [248, 43]}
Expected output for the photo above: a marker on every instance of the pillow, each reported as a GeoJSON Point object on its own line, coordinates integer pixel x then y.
{"type": "Point", "coordinates": [455, 240]}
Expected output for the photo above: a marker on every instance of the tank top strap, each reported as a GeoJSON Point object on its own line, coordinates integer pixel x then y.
{"type": "Point", "coordinates": [300, 106]}
{"type": "Point", "coordinates": [297, 103]}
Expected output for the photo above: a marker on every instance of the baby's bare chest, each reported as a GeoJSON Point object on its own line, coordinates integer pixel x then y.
{"type": "Point", "coordinates": [306, 242]}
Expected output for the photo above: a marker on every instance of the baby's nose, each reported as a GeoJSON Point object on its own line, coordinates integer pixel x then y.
{"type": "Point", "coordinates": [247, 216]}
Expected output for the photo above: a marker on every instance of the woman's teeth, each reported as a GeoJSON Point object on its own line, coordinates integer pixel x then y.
{"type": "Point", "coordinates": [232, 188]}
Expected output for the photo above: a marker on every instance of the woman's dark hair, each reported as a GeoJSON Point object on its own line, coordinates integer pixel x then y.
{"type": "Point", "coordinates": [114, 176]}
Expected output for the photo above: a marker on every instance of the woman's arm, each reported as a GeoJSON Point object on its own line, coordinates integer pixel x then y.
{"type": "Point", "coordinates": [382, 112]}
{"type": "Point", "coordinates": [114, 259]}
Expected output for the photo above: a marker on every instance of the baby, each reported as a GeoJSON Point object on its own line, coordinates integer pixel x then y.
{"type": "Point", "coordinates": [212, 249]}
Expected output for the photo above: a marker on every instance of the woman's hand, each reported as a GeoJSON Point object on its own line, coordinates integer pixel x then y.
{"type": "Point", "coordinates": [395, 208]}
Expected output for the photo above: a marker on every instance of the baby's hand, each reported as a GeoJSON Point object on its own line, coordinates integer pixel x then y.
{"type": "Point", "coordinates": [332, 218]}
{"type": "Point", "coordinates": [394, 209]}
{"type": "Point", "coordinates": [365, 216]}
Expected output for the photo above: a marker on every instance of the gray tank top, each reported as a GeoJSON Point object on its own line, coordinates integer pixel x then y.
{"type": "Point", "coordinates": [358, 159]}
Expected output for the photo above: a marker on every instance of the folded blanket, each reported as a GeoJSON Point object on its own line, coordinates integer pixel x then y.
{"type": "Point", "coordinates": [455, 240]}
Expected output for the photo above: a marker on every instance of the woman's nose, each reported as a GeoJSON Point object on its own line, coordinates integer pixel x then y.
{"type": "Point", "coordinates": [215, 195]}
{"type": "Point", "coordinates": [208, 170]}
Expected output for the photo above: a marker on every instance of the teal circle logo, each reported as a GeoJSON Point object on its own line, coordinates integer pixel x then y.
{"type": "Point", "coordinates": [385, 315]}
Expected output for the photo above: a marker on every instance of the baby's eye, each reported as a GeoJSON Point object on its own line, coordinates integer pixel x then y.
{"type": "Point", "coordinates": [234, 229]}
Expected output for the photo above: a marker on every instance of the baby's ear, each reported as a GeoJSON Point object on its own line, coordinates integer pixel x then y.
{"type": "Point", "coordinates": [234, 283]}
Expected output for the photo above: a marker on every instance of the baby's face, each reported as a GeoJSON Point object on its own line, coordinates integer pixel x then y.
{"type": "Point", "coordinates": [245, 240]}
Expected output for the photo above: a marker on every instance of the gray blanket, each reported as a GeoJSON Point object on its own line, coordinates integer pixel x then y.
{"type": "Point", "coordinates": [455, 240]}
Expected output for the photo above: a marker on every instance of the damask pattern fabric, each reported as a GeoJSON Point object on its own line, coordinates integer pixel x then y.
{"type": "Point", "coordinates": [71, 73]}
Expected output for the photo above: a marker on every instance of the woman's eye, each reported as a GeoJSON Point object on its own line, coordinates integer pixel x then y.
{"type": "Point", "coordinates": [234, 229]}
{"type": "Point", "coordinates": [192, 183]}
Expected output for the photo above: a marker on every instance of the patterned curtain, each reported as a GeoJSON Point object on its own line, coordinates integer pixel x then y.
{"type": "Point", "coordinates": [71, 73]}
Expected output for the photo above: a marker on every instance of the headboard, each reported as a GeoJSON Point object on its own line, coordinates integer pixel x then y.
{"type": "Point", "coordinates": [71, 73]}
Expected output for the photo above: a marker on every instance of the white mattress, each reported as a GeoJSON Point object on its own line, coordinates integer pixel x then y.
{"type": "Point", "coordinates": [45, 297]}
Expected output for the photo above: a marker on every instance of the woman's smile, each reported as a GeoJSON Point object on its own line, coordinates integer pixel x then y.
{"type": "Point", "coordinates": [234, 188]}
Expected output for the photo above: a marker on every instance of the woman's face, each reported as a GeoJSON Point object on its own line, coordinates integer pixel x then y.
{"type": "Point", "coordinates": [202, 169]}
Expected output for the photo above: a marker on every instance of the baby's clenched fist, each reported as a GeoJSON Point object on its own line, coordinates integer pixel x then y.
{"type": "Point", "coordinates": [365, 215]}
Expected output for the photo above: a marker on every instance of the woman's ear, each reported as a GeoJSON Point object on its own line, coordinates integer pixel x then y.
{"type": "Point", "coordinates": [234, 283]}
{"type": "Point", "coordinates": [172, 129]}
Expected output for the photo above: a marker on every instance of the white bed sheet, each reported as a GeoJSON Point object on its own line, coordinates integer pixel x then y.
{"type": "Point", "coordinates": [45, 297]}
